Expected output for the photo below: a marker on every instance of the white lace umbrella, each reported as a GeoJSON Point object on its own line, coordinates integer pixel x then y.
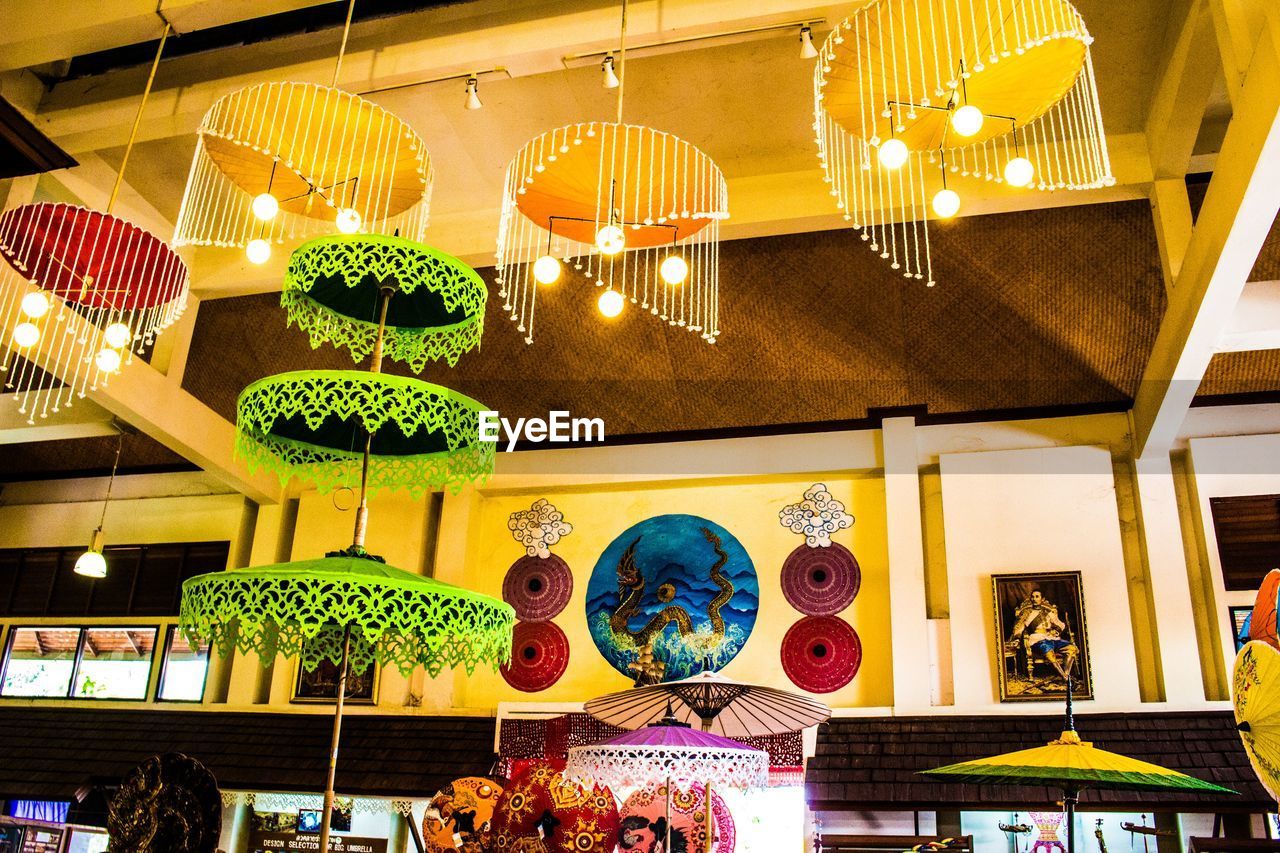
{"type": "Point", "coordinates": [669, 753]}
{"type": "Point", "coordinates": [721, 705]}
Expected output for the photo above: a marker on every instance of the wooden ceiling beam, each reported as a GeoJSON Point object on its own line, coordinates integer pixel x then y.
{"type": "Point", "coordinates": [1241, 204]}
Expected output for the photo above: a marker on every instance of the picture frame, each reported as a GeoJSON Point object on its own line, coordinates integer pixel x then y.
{"type": "Point", "coordinates": [1239, 622]}
{"type": "Point", "coordinates": [320, 685]}
{"type": "Point", "coordinates": [1041, 635]}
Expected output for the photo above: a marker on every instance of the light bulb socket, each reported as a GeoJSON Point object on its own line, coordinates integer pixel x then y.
{"type": "Point", "coordinates": [96, 540]}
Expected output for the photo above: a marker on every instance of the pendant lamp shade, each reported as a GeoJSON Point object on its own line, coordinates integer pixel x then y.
{"type": "Point", "coordinates": [313, 424]}
{"type": "Point", "coordinates": [333, 286]}
{"type": "Point", "coordinates": [968, 87]}
{"type": "Point", "coordinates": [615, 201]}
{"type": "Point", "coordinates": [86, 288]}
{"type": "Point", "coordinates": [331, 160]}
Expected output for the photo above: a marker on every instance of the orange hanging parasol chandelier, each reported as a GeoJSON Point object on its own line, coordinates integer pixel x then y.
{"type": "Point", "coordinates": [910, 93]}
{"type": "Point", "coordinates": [280, 162]}
{"type": "Point", "coordinates": [635, 209]}
{"type": "Point", "coordinates": [83, 291]}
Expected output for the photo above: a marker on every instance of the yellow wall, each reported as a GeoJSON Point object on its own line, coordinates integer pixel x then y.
{"type": "Point", "coordinates": [747, 509]}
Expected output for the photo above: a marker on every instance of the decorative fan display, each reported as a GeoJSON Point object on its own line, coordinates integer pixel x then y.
{"type": "Point", "coordinates": [821, 654]}
{"type": "Point", "coordinates": [646, 811]}
{"type": "Point", "coordinates": [538, 588]}
{"type": "Point", "coordinates": [276, 162]}
{"type": "Point", "coordinates": [167, 804]}
{"type": "Point", "coordinates": [907, 92]}
{"type": "Point", "coordinates": [459, 817]}
{"type": "Point", "coordinates": [821, 581]}
{"type": "Point", "coordinates": [334, 286]}
{"type": "Point", "coordinates": [539, 656]}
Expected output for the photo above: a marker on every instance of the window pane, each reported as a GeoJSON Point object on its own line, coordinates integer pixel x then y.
{"type": "Point", "coordinates": [35, 582]}
{"type": "Point", "coordinates": [182, 679]}
{"type": "Point", "coordinates": [70, 590]}
{"type": "Point", "coordinates": [115, 663]}
{"type": "Point", "coordinates": [40, 662]}
{"type": "Point", "coordinates": [156, 593]}
{"type": "Point", "coordinates": [111, 594]}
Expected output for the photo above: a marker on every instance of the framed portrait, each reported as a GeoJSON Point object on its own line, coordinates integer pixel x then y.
{"type": "Point", "coordinates": [1240, 625]}
{"type": "Point", "coordinates": [321, 684]}
{"type": "Point", "coordinates": [1041, 637]}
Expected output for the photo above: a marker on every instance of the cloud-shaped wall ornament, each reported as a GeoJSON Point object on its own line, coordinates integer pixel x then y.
{"type": "Point", "coordinates": [539, 527]}
{"type": "Point", "coordinates": [816, 517]}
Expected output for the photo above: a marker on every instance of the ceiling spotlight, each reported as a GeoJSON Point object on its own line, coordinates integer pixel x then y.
{"type": "Point", "coordinates": [946, 203]}
{"type": "Point", "coordinates": [807, 50]}
{"type": "Point", "coordinates": [35, 305]}
{"type": "Point", "coordinates": [265, 206]}
{"type": "Point", "coordinates": [610, 303]}
{"type": "Point", "coordinates": [1018, 172]}
{"type": "Point", "coordinates": [610, 78]}
{"type": "Point", "coordinates": [348, 220]}
{"type": "Point", "coordinates": [473, 98]}
{"type": "Point", "coordinates": [892, 153]}
{"type": "Point", "coordinates": [26, 334]}
{"type": "Point", "coordinates": [546, 270]}
{"type": "Point", "coordinates": [117, 335]}
{"type": "Point", "coordinates": [674, 270]}
{"type": "Point", "coordinates": [610, 240]}
{"type": "Point", "coordinates": [967, 120]}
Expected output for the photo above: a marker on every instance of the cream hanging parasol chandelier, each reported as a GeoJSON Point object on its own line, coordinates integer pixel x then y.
{"type": "Point", "coordinates": [909, 94]}
{"type": "Point", "coordinates": [635, 209]}
{"type": "Point", "coordinates": [83, 292]}
{"type": "Point", "coordinates": [280, 162]}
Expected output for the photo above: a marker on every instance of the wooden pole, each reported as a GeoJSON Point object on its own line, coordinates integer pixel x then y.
{"type": "Point", "coordinates": [326, 817]}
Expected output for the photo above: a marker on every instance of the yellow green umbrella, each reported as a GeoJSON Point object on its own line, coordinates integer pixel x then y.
{"type": "Point", "coordinates": [1256, 693]}
{"type": "Point", "coordinates": [1072, 764]}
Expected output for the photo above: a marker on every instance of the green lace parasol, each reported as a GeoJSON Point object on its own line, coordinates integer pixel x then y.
{"type": "Point", "coordinates": [333, 286]}
{"type": "Point", "coordinates": [314, 424]}
{"type": "Point", "coordinates": [302, 609]}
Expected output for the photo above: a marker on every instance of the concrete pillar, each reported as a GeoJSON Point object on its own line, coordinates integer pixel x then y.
{"type": "Point", "coordinates": [909, 625]}
{"type": "Point", "coordinates": [398, 837]}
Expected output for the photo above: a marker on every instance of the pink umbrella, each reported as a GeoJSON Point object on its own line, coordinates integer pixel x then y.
{"type": "Point", "coordinates": [669, 753]}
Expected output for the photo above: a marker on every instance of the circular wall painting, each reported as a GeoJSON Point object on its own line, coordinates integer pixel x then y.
{"type": "Point", "coordinates": [679, 584]}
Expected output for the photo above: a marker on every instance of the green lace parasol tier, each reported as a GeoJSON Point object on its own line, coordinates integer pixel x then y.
{"type": "Point", "coordinates": [300, 610]}
{"type": "Point", "coordinates": [332, 287]}
{"type": "Point", "coordinates": [311, 424]}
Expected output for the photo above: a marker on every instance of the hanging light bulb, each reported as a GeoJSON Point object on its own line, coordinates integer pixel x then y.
{"type": "Point", "coordinates": [258, 251]}
{"type": "Point", "coordinates": [473, 94]}
{"type": "Point", "coordinates": [546, 270]}
{"type": "Point", "coordinates": [91, 564]}
{"type": "Point", "coordinates": [26, 334]}
{"type": "Point", "coordinates": [117, 335]}
{"type": "Point", "coordinates": [610, 76]}
{"type": "Point", "coordinates": [265, 206]}
{"type": "Point", "coordinates": [108, 360]}
{"type": "Point", "coordinates": [35, 305]}
{"type": "Point", "coordinates": [674, 270]}
{"type": "Point", "coordinates": [610, 240]}
{"type": "Point", "coordinates": [967, 120]}
{"type": "Point", "coordinates": [610, 303]}
{"type": "Point", "coordinates": [1018, 172]}
{"type": "Point", "coordinates": [348, 220]}
{"type": "Point", "coordinates": [892, 153]}
{"type": "Point", "coordinates": [946, 203]}
{"type": "Point", "coordinates": [807, 50]}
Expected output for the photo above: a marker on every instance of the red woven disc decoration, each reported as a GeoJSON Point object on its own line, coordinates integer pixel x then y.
{"type": "Point", "coordinates": [539, 656]}
{"type": "Point", "coordinates": [91, 258]}
{"type": "Point", "coordinates": [821, 653]}
{"type": "Point", "coordinates": [821, 581]}
{"type": "Point", "coordinates": [538, 588]}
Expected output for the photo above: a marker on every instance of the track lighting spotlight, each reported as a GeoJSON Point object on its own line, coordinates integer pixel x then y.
{"type": "Point", "coordinates": [610, 78]}
{"type": "Point", "coordinates": [807, 50]}
{"type": "Point", "coordinates": [473, 97]}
